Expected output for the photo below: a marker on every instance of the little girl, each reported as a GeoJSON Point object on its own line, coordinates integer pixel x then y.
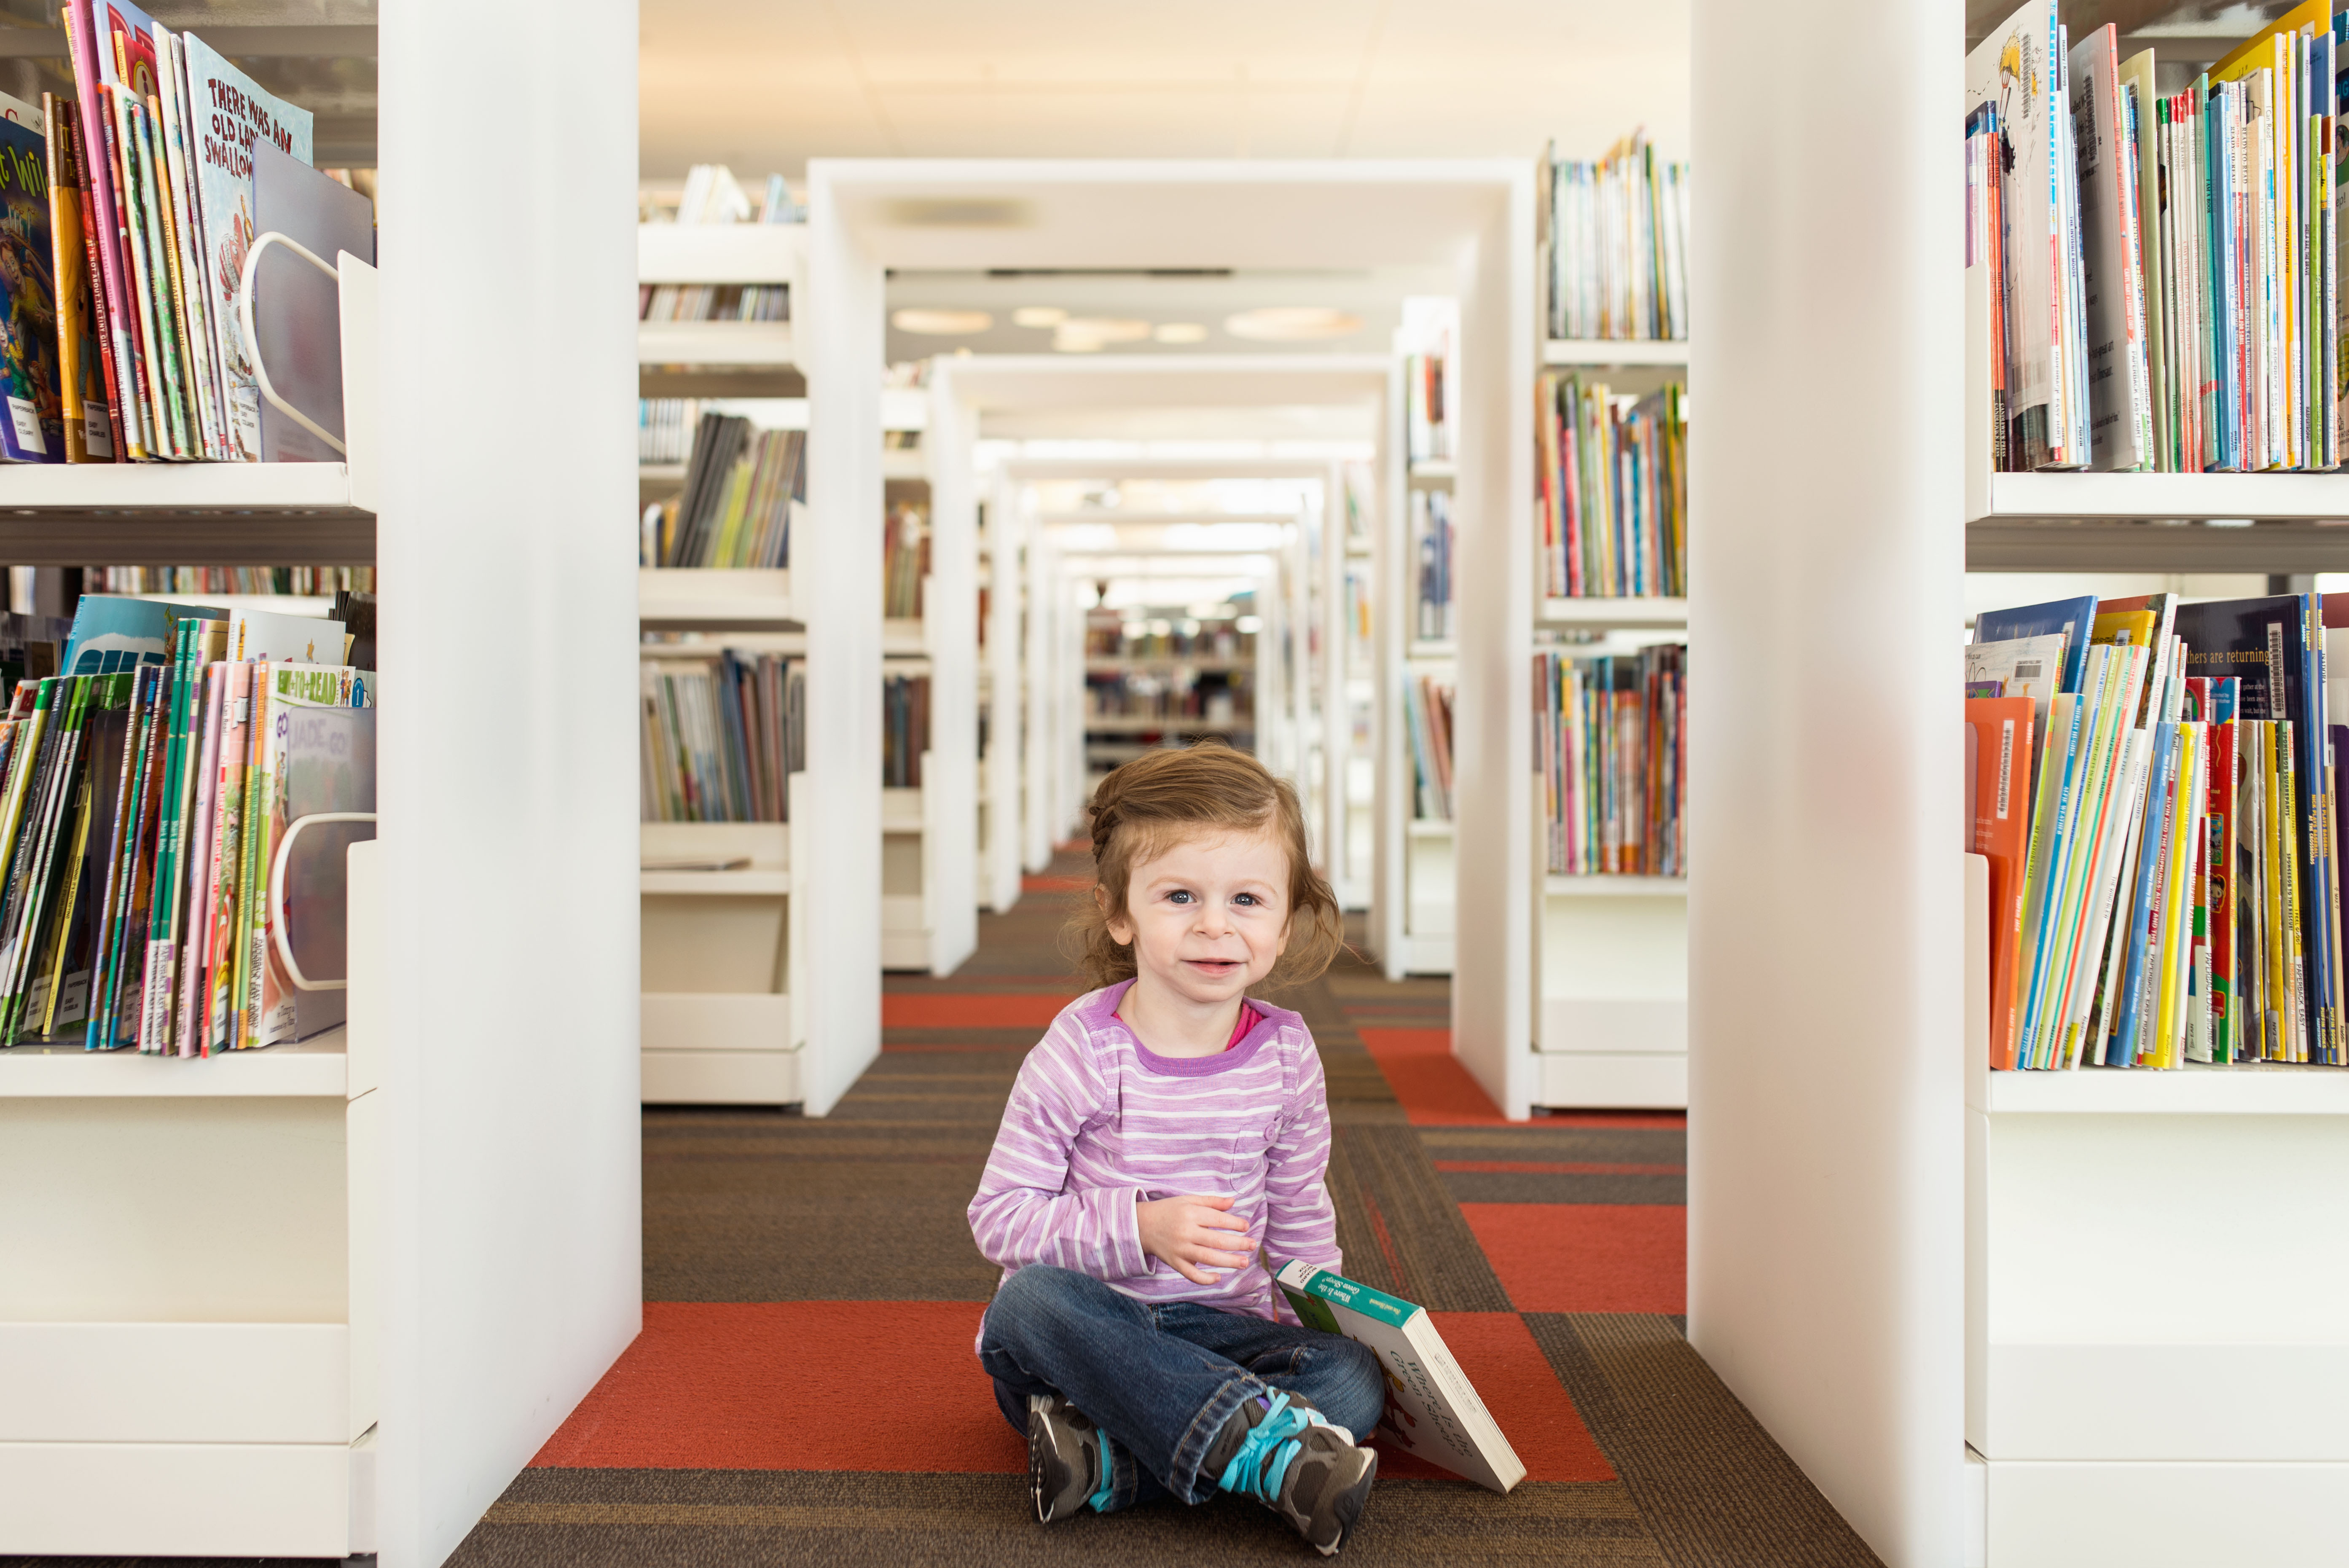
{"type": "Point", "coordinates": [1162, 1131]}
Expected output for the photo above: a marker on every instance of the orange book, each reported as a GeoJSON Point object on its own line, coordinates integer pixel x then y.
{"type": "Point", "coordinates": [2001, 831]}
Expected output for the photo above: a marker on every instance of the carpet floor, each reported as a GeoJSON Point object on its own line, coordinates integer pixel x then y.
{"type": "Point", "coordinates": [804, 1390]}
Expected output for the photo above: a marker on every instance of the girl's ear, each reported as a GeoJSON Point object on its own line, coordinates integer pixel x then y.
{"type": "Point", "coordinates": [1117, 922]}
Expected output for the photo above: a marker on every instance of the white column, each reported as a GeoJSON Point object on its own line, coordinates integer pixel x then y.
{"type": "Point", "coordinates": [1391, 602]}
{"type": "Point", "coordinates": [1006, 709]}
{"type": "Point", "coordinates": [1493, 586]}
{"type": "Point", "coordinates": [1826, 1160]}
{"type": "Point", "coordinates": [950, 621]}
{"type": "Point", "coordinates": [836, 580]}
{"type": "Point", "coordinates": [1041, 699]}
{"type": "Point", "coordinates": [507, 784]}
{"type": "Point", "coordinates": [1337, 713]}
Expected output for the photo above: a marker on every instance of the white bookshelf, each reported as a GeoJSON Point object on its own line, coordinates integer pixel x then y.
{"type": "Point", "coordinates": [1996, 1319]}
{"type": "Point", "coordinates": [724, 958]}
{"type": "Point", "coordinates": [691, 598]}
{"type": "Point", "coordinates": [1434, 473]}
{"type": "Point", "coordinates": [1600, 353]}
{"type": "Point", "coordinates": [768, 253]}
{"type": "Point", "coordinates": [1615, 614]}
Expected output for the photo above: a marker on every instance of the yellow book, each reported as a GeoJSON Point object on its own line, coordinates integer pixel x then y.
{"type": "Point", "coordinates": [2295, 952]}
{"type": "Point", "coordinates": [2279, 1004]}
{"type": "Point", "coordinates": [2259, 48]}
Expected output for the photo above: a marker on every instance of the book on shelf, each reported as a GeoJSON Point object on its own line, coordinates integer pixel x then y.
{"type": "Point", "coordinates": [722, 733]}
{"type": "Point", "coordinates": [31, 374]}
{"type": "Point", "coordinates": [906, 561]}
{"type": "Point", "coordinates": [159, 142]}
{"type": "Point", "coordinates": [1156, 635]}
{"type": "Point", "coordinates": [1431, 535]}
{"type": "Point", "coordinates": [1611, 737]}
{"type": "Point", "coordinates": [712, 195]}
{"type": "Point", "coordinates": [141, 818]}
{"type": "Point", "coordinates": [1431, 1411]}
{"type": "Point", "coordinates": [307, 581]}
{"type": "Point", "coordinates": [1613, 490]}
{"type": "Point", "coordinates": [2177, 897]}
{"type": "Point", "coordinates": [1619, 244]}
{"type": "Point", "coordinates": [1192, 699]}
{"type": "Point", "coordinates": [1427, 717]}
{"type": "Point", "coordinates": [904, 730]}
{"type": "Point", "coordinates": [743, 489]}
{"type": "Point", "coordinates": [2162, 265]}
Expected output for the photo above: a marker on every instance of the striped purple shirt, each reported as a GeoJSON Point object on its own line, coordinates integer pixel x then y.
{"type": "Point", "coordinates": [1099, 1122]}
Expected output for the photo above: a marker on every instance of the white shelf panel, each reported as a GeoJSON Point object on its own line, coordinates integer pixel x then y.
{"type": "Point", "coordinates": [763, 343]}
{"type": "Point", "coordinates": [1615, 886]}
{"type": "Point", "coordinates": [2143, 497]}
{"type": "Point", "coordinates": [903, 639]}
{"type": "Point", "coordinates": [175, 487]}
{"type": "Point", "coordinates": [185, 1500]}
{"type": "Point", "coordinates": [684, 598]}
{"type": "Point", "coordinates": [1626, 614]}
{"type": "Point", "coordinates": [175, 1382]}
{"type": "Point", "coordinates": [1428, 827]}
{"type": "Point", "coordinates": [1611, 1080]}
{"type": "Point", "coordinates": [750, 882]}
{"type": "Point", "coordinates": [1605, 351]}
{"type": "Point", "coordinates": [901, 810]}
{"type": "Point", "coordinates": [719, 253]}
{"type": "Point", "coordinates": [186, 513]}
{"type": "Point", "coordinates": [1432, 651]}
{"type": "Point", "coordinates": [2245, 1091]}
{"type": "Point", "coordinates": [313, 1068]}
{"type": "Point", "coordinates": [1434, 473]}
{"type": "Point", "coordinates": [898, 463]}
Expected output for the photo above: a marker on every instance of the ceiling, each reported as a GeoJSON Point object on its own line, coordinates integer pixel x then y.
{"type": "Point", "coordinates": [765, 85]}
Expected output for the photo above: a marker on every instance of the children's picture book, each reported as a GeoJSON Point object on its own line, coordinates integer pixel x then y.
{"type": "Point", "coordinates": [114, 632]}
{"type": "Point", "coordinates": [232, 114]}
{"type": "Point", "coordinates": [1431, 1410]}
{"type": "Point", "coordinates": [2076, 619]}
{"type": "Point", "coordinates": [34, 430]}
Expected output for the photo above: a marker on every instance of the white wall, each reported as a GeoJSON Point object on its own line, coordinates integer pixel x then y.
{"type": "Point", "coordinates": [508, 782]}
{"type": "Point", "coordinates": [1825, 1161]}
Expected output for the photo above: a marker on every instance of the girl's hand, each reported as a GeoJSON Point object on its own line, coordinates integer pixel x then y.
{"type": "Point", "coordinates": [1193, 1234]}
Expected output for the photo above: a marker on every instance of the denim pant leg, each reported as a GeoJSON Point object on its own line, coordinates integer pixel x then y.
{"type": "Point", "coordinates": [1163, 1397]}
{"type": "Point", "coordinates": [1344, 1381]}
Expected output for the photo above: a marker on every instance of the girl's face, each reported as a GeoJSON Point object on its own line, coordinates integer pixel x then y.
{"type": "Point", "coordinates": [1209, 914]}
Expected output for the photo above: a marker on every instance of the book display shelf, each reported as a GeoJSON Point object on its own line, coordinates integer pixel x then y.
{"type": "Point", "coordinates": [318, 1300]}
{"type": "Point", "coordinates": [1610, 1007]}
{"type": "Point", "coordinates": [2014, 1319]}
{"type": "Point", "coordinates": [1414, 874]}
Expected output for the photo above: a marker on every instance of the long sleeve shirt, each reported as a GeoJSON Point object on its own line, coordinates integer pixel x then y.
{"type": "Point", "coordinates": [1098, 1122]}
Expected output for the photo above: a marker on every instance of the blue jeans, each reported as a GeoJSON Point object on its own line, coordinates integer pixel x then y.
{"type": "Point", "coordinates": [1160, 1379]}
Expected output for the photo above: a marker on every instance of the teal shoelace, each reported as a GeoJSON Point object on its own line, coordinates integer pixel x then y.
{"type": "Point", "coordinates": [1264, 1455]}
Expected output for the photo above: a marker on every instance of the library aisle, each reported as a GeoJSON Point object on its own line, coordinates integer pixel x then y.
{"type": "Point", "coordinates": [804, 1389]}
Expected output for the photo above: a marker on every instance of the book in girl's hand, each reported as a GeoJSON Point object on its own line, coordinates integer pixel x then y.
{"type": "Point", "coordinates": [1432, 1410]}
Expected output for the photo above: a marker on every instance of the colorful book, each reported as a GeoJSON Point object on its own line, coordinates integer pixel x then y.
{"type": "Point", "coordinates": [34, 430]}
{"type": "Point", "coordinates": [2004, 727]}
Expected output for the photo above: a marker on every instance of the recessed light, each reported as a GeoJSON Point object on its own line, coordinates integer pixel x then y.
{"type": "Point", "coordinates": [1180, 332]}
{"type": "Point", "coordinates": [1292, 323]}
{"type": "Point", "coordinates": [941, 323]}
{"type": "Point", "coordinates": [1102, 329]}
{"type": "Point", "coordinates": [1038, 316]}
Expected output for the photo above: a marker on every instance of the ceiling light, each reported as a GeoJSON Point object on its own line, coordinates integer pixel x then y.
{"type": "Point", "coordinates": [1038, 316]}
{"type": "Point", "coordinates": [1099, 329]}
{"type": "Point", "coordinates": [1292, 323]}
{"type": "Point", "coordinates": [1180, 332]}
{"type": "Point", "coordinates": [941, 323]}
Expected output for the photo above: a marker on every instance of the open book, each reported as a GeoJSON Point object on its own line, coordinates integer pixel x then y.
{"type": "Point", "coordinates": [1430, 1409]}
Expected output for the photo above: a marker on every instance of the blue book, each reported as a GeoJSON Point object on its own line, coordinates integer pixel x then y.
{"type": "Point", "coordinates": [2045, 884]}
{"type": "Point", "coordinates": [2161, 782]}
{"type": "Point", "coordinates": [111, 633]}
{"type": "Point", "coordinates": [2075, 618]}
{"type": "Point", "coordinates": [34, 427]}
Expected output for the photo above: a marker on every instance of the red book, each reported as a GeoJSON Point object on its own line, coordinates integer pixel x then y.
{"type": "Point", "coordinates": [2002, 832]}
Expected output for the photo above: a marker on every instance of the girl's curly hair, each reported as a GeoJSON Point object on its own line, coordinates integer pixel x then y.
{"type": "Point", "coordinates": [1163, 796]}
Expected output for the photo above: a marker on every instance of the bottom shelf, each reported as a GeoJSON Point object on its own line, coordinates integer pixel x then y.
{"type": "Point", "coordinates": [1611, 1080]}
{"type": "Point", "coordinates": [2040, 1514]}
{"type": "Point", "coordinates": [719, 1049]}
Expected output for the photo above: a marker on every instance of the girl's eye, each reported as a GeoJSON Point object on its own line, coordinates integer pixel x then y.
{"type": "Point", "coordinates": [1178, 896]}
{"type": "Point", "coordinates": [1244, 899]}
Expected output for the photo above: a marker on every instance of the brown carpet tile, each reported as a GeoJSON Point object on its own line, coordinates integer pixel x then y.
{"type": "Point", "coordinates": [1564, 1186]}
{"type": "Point", "coordinates": [592, 1519]}
{"type": "Point", "coordinates": [1710, 1484]}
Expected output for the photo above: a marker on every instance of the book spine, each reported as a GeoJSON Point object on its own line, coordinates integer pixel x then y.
{"type": "Point", "coordinates": [100, 229]}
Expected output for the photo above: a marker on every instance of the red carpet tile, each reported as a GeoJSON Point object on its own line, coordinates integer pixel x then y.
{"type": "Point", "coordinates": [795, 1386]}
{"type": "Point", "coordinates": [1556, 1168]}
{"type": "Point", "coordinates": [1434, 1088]}
{"type": "Point", "coordinates": [1585, 1257]}
{"type": "Point", "coordinates": [939, 1010]}
{"type": "Point", "coordinates": [1523, 1396]}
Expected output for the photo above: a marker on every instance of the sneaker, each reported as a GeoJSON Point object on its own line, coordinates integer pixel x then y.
{"type": "Point", "coordinates": [1065, 1467]}
{"type": "Point", "coordinates": [1297, 1462]}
